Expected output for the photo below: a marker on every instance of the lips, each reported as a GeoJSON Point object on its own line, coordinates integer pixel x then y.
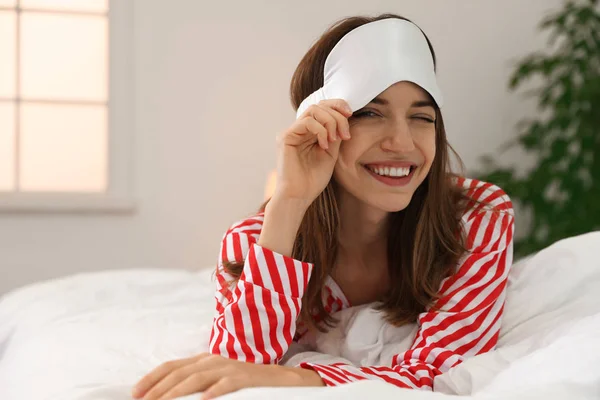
{"type": "Point", "coordinates": [391, 168]}
{"type": "Point", "coordinates": [389, 171]}
{"type": "Point", "coordinates": [392, 173]}
{"type": "Point", "coordinates": [390, 164]}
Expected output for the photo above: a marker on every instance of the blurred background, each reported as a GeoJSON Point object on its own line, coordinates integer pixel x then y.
{"type": "Point", "coordinates": [134, 132]}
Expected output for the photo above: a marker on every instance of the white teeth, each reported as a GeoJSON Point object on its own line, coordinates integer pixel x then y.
{"type": "Point", "coordinates": [390, 171]}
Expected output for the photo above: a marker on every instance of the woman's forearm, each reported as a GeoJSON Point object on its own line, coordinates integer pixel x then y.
{"type": "Point", "coordinates": [281, 223]}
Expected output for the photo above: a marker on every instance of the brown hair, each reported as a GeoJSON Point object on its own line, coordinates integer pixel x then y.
{"type": "Point", "coordinates": [430, 225]}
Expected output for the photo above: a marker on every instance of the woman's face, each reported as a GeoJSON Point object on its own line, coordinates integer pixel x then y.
{"type": "Point", "coordinates": [391, 149]}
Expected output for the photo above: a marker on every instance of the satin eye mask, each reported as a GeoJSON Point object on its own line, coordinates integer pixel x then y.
{"type": "Point", "coordinates": [371, 58]}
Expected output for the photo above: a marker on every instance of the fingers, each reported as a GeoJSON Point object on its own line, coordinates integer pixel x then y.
{"type": "Point", "coordinates": [321, 123]}
{"type": "Point", "coordinates": [341, 122]}
{"type": "Point", "coordinates": [157, 375]}
{"type": "Point", "coordinates": [194, 383]}
{"type": "Point", "coordinates": [223, 386]}
{"type": "Point", "coordinates": [335, 123]}
{"type": "Point", "coordinates": [170, 382]}
{"type": "Point", "coordinates": [339, 105]}
{"type": "Point", "coordinates": [327, 115]}
{"type": "Point", "coordinates": [324, 116]}
{"type": "Point", "coordinates": [314, 127]}
{"type": "Point", "coordinates": [305, 132]}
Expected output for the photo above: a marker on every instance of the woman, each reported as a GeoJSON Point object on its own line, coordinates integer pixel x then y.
{"type": "Point", "coordinates": [365, 211]}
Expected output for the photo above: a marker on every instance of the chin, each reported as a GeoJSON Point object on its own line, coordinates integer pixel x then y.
{"type": "Point", "coordinates": [391, 204]}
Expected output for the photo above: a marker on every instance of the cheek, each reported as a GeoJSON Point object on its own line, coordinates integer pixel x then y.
{"type": "Point", "coordinates": [426, 143]}
{"type": "Point", "coordinates": [347, 169]}
{"type": "Point", "coordinates": [351, 152]}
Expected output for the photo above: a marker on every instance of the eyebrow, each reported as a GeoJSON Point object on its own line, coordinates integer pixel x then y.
{"type": "Point", "coordinates": [423, 103]}
{"type": "Point", "coordinates": [416, 104]}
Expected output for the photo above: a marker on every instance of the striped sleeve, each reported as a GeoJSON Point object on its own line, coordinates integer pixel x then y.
{"type": "Point", "coordinates": [255, 318]}
{"type": "Point", "coordinates": [465, 320]}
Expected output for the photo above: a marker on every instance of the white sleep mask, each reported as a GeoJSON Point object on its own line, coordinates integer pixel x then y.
{"type": "Point", "coordinates": [373, 57]}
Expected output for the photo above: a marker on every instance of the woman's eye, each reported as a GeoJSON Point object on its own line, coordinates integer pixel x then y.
{"type": "Point", "coordinates": [364, 114]}
{"type": "Point", "coordinates": [424, 118]}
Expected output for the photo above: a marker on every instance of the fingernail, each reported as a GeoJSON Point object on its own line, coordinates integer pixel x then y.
{"type": "Point", "coordinates": [348, 109]}
{"type": "Point", "coordinates": [346, 134]}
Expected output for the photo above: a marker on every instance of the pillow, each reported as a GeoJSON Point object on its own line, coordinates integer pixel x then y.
{"type": "Point", "coordinates": [556, 286]}
{"type": "Point", "coordinates": [547, 294]}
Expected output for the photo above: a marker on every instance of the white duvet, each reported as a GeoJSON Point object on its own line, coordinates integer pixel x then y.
{"type": "Point", "coordinates": [92, 336]}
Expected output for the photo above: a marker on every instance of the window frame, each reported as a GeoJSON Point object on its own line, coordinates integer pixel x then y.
{"type": "Point", "coordinates": [119, 195]}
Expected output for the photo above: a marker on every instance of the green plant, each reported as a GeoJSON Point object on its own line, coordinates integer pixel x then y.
{"type": "Point", "coordinates": [561, 192]}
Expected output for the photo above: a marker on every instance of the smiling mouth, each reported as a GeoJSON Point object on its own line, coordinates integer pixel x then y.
{"type": "Point", "coordinates": [391, 172]}
{"type": "Point", "coordinates": [391, 176]}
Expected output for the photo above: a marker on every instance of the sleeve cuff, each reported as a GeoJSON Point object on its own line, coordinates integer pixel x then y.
{"type": "Point", "coordinates": [276, 272]}
{"type": "Point", "coordinates": [331, 375]}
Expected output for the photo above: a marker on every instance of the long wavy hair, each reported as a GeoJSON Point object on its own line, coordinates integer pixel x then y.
{"type": "Point", "coordinates": [425, 240]}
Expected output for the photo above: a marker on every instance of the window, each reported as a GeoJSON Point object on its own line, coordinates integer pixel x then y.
{"type": "Point", "coordinates": [62, 147]}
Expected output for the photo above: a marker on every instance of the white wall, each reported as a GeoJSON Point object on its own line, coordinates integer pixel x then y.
{"type": "Point", "coordinates": [211, 93]}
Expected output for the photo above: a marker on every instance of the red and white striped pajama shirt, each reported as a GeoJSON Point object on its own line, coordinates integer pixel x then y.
{"type": "Point", "coordinates": [256, 319]}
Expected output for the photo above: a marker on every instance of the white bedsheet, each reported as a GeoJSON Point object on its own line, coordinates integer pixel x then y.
{"type": "Point", "coordinates": [92, 336]}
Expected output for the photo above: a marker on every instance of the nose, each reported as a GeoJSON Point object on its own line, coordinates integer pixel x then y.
{"type": "Point", "coordinates": [398, 138]}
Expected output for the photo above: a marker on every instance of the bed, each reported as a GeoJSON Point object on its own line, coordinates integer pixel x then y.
{"type": "Point", "coordinates": [92, 336]}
